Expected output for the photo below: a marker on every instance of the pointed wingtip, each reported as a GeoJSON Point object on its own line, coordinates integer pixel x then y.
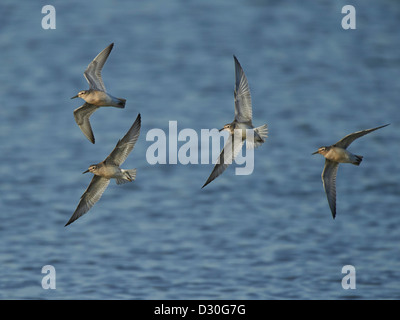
{"type": "Point", "coordinates": [139, 120]}
{"type": "Point", "coordinates": [385, 125]}
{"type": "Point", "coordinates": [207, 182]}
{"type": "Point", "coordinates": [90, 138]}
{"type": "Point", "coordinates": [72, 219]}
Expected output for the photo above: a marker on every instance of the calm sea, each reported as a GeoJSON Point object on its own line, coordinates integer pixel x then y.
{"type": "Point", "coordinates": [268, 235]}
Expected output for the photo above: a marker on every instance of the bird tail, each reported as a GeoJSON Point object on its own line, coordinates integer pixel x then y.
{"type": "Point", "coordinates": [260, 134]}
{"type": "Point", "coordinates": [262, 131]}
{"type": "Point", "coordinates": [357, 160]}
{"type": "Point", "coordinates": [121, 103]}
{"type": "Point", "coordinates": [129, 175]}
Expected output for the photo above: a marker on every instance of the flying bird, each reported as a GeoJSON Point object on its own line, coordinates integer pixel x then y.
{"type": "Point", "coordinates": [334, 155]}
{"type": "Point", "coordinates": [109, 169]}
{"type": "Point", "coordinates": [242, 121]}
{"type": "Point", "coordinates": [96, 96]}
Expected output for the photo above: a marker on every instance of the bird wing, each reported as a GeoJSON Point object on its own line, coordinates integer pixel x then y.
{"type": "Point", "coordinates": [226, 157]}
{"type": "Point", "coordinates": [329, 181]}
{"type": "Point", "coordinates": [92, 194]}
{"type": "Point", "coordinates": [125, 145]}
{"type": "Point", "coordinates": [347, 140]}
{"type": "Point", "coordinates": [243, 111]}
{"type": "Point", "coordinates": [93, 71]}
{"type": "Point", "coordinates": [82, 115]}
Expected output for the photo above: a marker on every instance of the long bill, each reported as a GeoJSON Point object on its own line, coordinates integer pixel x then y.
{"type": "Point", "coordinates": [74, 97]}
{"type": "Point", "coordinates": [85, 171]}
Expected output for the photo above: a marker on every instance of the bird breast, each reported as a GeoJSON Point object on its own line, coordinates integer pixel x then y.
{"type": "Point", "coordinates": [338, 155]}
{"type": "Point", "coordinates": [242, 127]}
{"type": "Point", "coordinates": [98, 98]}
{"type": "Point", "coordinates": [108, 171]}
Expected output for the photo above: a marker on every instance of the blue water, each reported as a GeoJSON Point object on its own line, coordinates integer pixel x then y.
{"type": "Point", "coordinates": [268, 235]}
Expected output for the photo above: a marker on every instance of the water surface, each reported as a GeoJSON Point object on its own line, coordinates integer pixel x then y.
{"type": "Point", "coordinates": [269, 235]}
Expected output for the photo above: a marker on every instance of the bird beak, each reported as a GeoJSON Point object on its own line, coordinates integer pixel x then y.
{"type": "Point", "coordinates": [86, 171]}
{"type": "Point", "coordinates": [315, 152]}
{"type": "Point", "coordinates": [221, 129]}
{"type": "Point", "coordinates": [74, 97]}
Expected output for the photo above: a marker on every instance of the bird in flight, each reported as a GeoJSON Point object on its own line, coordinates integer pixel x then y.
{"type": "Point", "coordinates": [239, 127]}
{"type": "Point", "coordinates": [96, 96]}
{"type": "Point", "coordinates": [108, 169]}
{"type": "Point", "coordinates": [334, 155]}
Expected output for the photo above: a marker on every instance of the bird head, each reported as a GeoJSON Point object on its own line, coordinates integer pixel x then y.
{"type": "Point", "coordinates": [80, 94]}
{"type": "Point", "coordinates": [91, 169]}
{"type": "Point", "coordinates": [322, 150]}
{"type": "Point", "coordinates": [227, 127]}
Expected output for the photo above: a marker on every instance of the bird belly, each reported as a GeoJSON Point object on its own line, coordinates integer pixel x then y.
{"type": "Point", "coordinates": [339, 155]}
{"type": "Point", "coordinates": [110, 172]}
{"type": "Point", "coordinates": [241, 127]}
{"type": "Point", "coordinates": [99, 98]}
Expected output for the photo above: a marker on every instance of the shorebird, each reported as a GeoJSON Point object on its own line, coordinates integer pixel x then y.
{"type": "Point", "coordinates": [242, 121]}
{"type": "Point", "coordinates": [96, 96]}
{"type": "Point", "coordinates": [107, 169]}
{"type": "Point", "coordinates": [334, 155]}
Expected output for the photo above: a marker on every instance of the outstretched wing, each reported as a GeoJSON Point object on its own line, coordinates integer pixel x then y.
{"type": "Point", "coordinates": [125, 145]}
{"type": "Point", "coordinates": [347, 140]}
{"type": "Point", "coordinates": [93, 71]}
{"type": "Point", "coordinates": [92, 194]}
{"type": "Point", "coordinates": [226, 157]}
{"type": "Point", "coordinates": [82, 115]}
{"type": "Point", "coordinates": [243, 111]}
{"type": "Point", "coordinates": [329, 181]}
